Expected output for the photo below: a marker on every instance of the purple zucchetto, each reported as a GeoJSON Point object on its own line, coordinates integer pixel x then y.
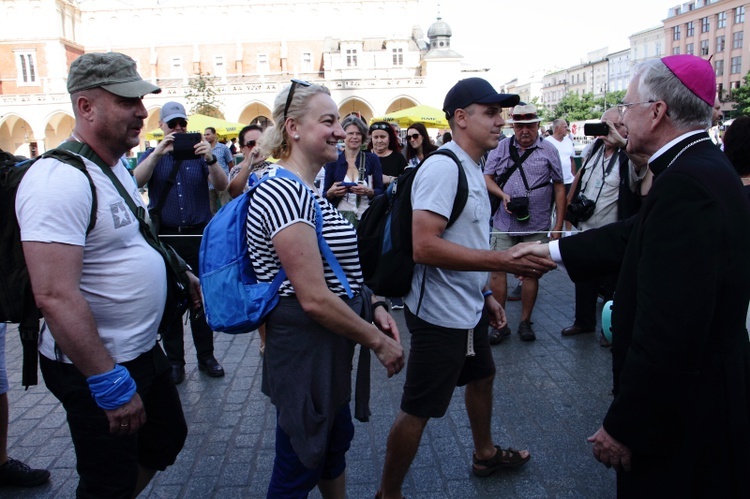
{"type": "Point", "coordinates": [695, 73]}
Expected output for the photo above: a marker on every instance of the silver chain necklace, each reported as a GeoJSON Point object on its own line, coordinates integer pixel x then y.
{"type": "Point", "coordinates": [686, 148]}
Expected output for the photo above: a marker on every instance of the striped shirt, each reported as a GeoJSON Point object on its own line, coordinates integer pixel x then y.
{"type": "Point", "coordinates": [279, 203]}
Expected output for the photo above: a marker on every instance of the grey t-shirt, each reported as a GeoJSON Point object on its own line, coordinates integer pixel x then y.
{"type": "Point", "coordinates": [452, 298]}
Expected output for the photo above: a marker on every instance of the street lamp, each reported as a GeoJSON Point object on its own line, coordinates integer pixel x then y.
{"type": "Point", "coordinates": [606, 84]}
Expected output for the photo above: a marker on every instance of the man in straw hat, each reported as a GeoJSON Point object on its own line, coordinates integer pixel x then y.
{"type": "Point", "coordinates": [679, 424]}
{"type": "Point", "coordinates": [526, 167]}
{"type": "Point", "coordinates": [102, 292]}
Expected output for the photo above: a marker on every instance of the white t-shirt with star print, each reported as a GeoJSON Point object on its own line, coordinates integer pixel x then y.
{"type": "Point", "coordinates": [123, 278]}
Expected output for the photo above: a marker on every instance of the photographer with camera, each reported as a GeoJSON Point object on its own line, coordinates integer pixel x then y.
{"type": "Point", "coordinates": [606, 189]}
{"type": "Point", "coordinates": [177, 172]}
{"type": "Point", "coordinates": [525, 173]}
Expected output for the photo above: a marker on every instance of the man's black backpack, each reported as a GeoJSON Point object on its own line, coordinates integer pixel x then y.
{"type": "Point", "coordinates": [384, 232]}
{"type": "Point", "coordinates": [17, 303]}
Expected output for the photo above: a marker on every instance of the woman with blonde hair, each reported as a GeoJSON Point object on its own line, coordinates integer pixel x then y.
{"type": "Point", "coordinates": [311, 334]}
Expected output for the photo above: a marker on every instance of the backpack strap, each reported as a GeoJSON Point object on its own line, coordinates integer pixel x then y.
{"type": "Point", "coordinates": [170, 257]}
{"type": "Point", "coordinates": [462, 195]}
{"type": "Point", "coordinates": [325, 250]}
{"type": "Point", "coordinates": [64, 156]}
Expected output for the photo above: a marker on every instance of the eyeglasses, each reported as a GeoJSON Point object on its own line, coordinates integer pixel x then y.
{"type": "Point", "coordinates": [379, 126]}
{"type": "Point", "coordinates": [250, 143]}
{"type": "Point", "coordinates": [621, 108]}
{"type": "Point", "coordinates": [295, 82]}
{"type": "Point", "coordinates": [414, 136]}
{"type": "Point", "coordinates": [172, 124]}
{"type": "Point", "coordinates": [525, 117]}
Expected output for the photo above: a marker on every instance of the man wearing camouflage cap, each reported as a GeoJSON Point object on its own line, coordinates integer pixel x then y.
{"type": "Point", "coordinates": [102, 291]}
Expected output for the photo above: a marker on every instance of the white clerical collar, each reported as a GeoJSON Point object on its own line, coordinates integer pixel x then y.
{"type": "Point", "coordinates": [672, 142]}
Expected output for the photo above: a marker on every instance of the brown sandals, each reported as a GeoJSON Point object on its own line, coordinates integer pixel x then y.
{"type": "Point", "coordinates": [503, 458]}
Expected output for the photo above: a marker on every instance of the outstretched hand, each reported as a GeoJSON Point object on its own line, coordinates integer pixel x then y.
{"type": "Point", "coordinates": [527, 260]}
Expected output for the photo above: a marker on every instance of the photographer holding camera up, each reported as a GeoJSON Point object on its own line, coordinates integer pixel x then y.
{"type": "Point", "coordinates": [605, 189]}
{"type": "Point", "coordinates": [525, 173]}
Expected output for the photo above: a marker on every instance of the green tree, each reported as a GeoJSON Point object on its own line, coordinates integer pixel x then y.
{"type": "Point", "coordinates": [574, 107]}
{"type": "Point", "coordinates": [614, 98]}
{"type": "Point", "coordinates": [741, 96]}
{"type": "Point", "coordinates": [202, 96]}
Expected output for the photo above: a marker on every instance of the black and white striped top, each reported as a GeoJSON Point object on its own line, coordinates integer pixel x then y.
{"type": "Point", "coordinates": [281, 202]}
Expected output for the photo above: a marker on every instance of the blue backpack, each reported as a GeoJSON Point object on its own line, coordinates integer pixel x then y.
{"type": "Point", "coordinates": [234, 301]}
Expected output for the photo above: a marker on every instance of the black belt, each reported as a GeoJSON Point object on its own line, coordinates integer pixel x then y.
{"type": "Point", "coordinates": [183, 229]}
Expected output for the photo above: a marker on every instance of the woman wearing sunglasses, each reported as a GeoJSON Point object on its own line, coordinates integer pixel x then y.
{"type": "Point", "coordinates": [311, 334]}
{"type": "Point", "coordinates": [252, 162]}
{"type": "Point", "coordinates": [419, 144]}
{"type": "Point", "coordinates": [385, 144]}
{"type": "Point", "coordinates": [356, 176]}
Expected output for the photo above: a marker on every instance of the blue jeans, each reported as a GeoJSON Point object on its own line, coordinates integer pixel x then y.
{"type": "Point", "coordinates": [290, 478]}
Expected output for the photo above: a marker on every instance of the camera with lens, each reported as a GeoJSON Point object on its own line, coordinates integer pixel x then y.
{"type": "Point", "coordinates": [519, 207]}
{"type": "Point", "coordinates": [580, 209]}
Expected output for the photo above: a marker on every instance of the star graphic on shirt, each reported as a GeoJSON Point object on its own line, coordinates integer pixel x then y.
{"type": "Point", "coordinates": [120, 215]}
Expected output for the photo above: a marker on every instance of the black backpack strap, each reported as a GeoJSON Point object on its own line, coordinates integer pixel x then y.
{"type": "Point", "coordinates": [64, 156]}
{"type": "Point", "coordinates": [462, 194]}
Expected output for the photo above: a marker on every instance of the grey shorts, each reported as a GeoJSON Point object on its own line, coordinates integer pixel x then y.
{"type": "Point", "coordinates": [500, 241]}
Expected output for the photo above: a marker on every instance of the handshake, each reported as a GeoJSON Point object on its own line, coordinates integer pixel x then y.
{"type": "Point", "coordinates": [526, 260]}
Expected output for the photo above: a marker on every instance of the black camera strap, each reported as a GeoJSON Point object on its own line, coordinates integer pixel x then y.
{"type": "Point", "coordinates": [605, 172]}
{"type": "Point", "coordinates": [518, 162]}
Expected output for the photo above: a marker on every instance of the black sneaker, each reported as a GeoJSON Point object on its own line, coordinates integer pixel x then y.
{"type": "Point", "coordinates": [17, 474]}
{"type": "Point", "coordinates": [397, 304]}
{"type": "Point", "coordinates": [525, 331]}
{"type": "Point", "coordinates": [496, 335]}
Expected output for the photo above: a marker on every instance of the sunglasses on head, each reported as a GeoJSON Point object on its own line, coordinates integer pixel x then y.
{"type": "Point", "coordinates": [250, 143]}
{"type": "Point", "coordinates": [379, 126]}
{"type": "Point", "coordinates": [414, 136]}
{"type": "Point", "coordinates": [177, 121]}
{"type": "Point", "coordinates": [295, 82]}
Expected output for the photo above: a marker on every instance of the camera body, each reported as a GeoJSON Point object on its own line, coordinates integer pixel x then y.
{"type": "Point", "coordinates": [595, 129]}
{"type": "Point", "coordinates": [184, 145]}
{"type": "Point", "coordinates": [580, 209]}
{"type": "Point", "coordinates": [519, 207]}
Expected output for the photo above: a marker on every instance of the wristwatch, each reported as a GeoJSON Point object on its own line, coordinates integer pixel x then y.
{"type": "Point", "coordinates": [212, 161]}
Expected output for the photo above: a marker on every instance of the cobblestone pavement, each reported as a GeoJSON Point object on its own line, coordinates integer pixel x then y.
{"type": "Point", "coordinates": [549, 395]}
